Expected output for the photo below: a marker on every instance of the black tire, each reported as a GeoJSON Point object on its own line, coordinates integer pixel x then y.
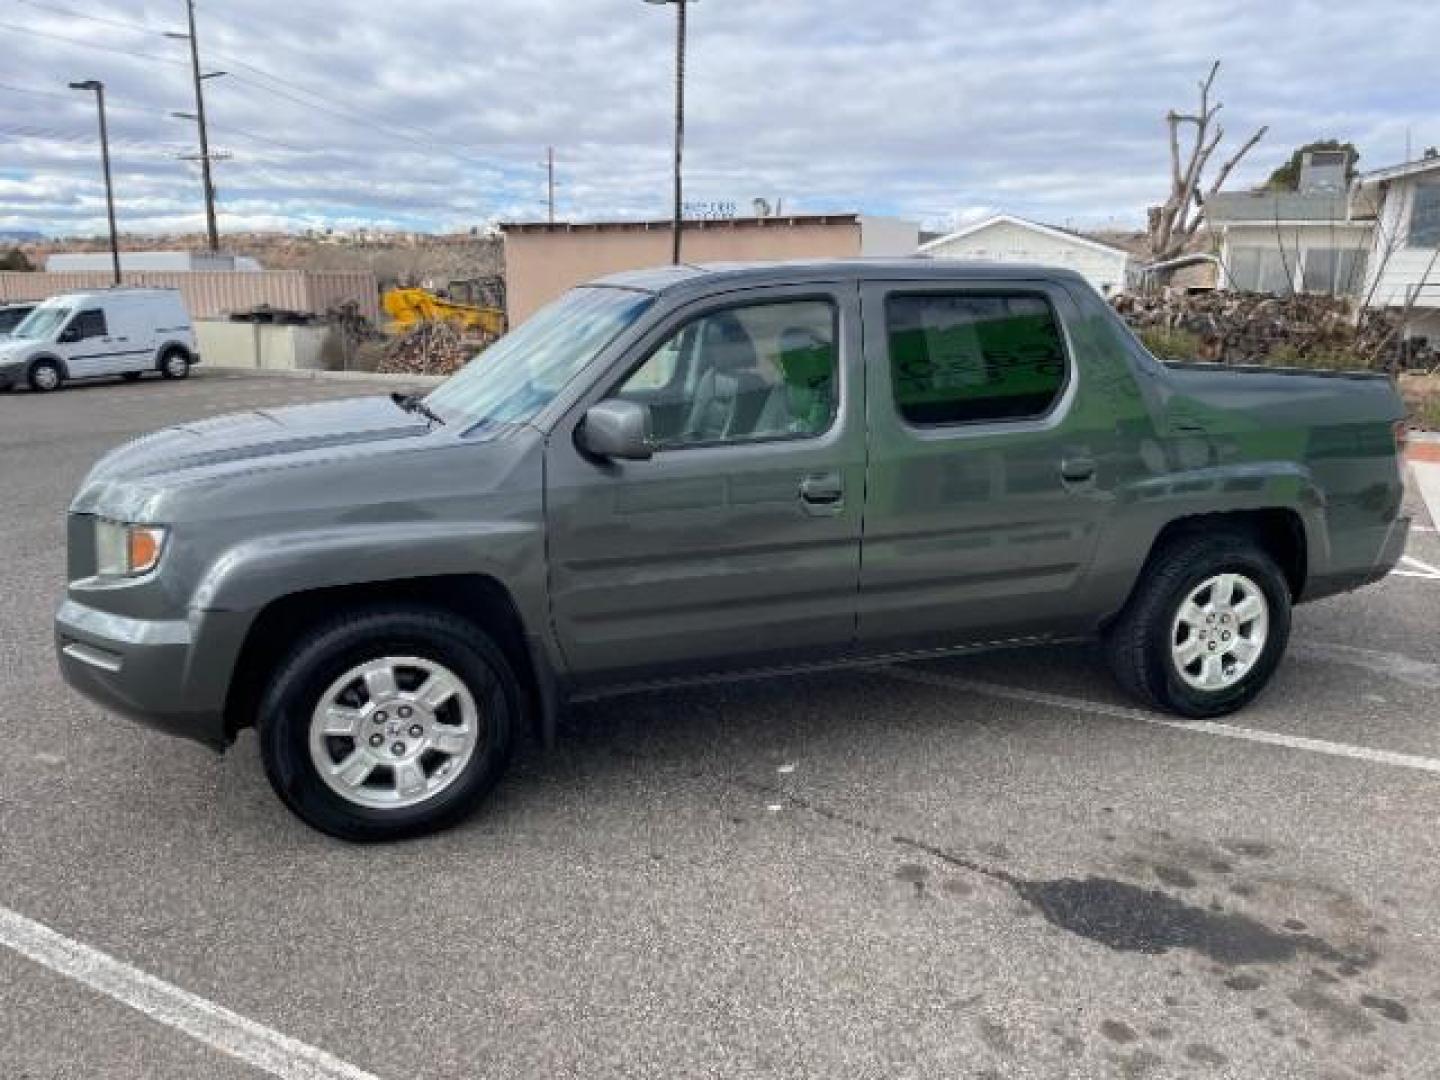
{"type": "Point", "coordinates": [326, 654]}
{"type": "Point", "coordinates": [131, 376]}
{"type": "Point", "coordinates": [46, 376]}
{"type": "Point", "coordinates": [175, 364]}
{"type": "Point", "coordinates": [1138, 645]}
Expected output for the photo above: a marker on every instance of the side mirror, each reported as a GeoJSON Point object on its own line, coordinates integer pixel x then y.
{"type": "Point", "coordinates": [69, 335]}
{"type": "Point", "coordinates": [618, 430]}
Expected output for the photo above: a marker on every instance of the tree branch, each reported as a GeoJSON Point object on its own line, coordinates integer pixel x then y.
{"type": "Point", "coordinates": [1229, 166]}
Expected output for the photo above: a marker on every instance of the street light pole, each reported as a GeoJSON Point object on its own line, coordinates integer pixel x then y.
{"type": "Point", "coordinates": [677, 224]}
{"type": "Point", "coordinates": [99, 89]}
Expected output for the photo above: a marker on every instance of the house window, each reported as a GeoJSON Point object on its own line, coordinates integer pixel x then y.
{"type": "Point", "coordinates": [1334, 271]}
{"type": "Point", "coordinates": [1262, 269]}
{"type": "Point", "coordinates": [958, 358]}
{"type": "Point", "coordinates": [1425, 217]}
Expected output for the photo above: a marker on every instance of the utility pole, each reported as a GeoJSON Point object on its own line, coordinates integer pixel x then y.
{"type": "Point", "coordinates": [678, 223]}
{"type": "Point", "coordinates": [550, 180]}
{"type": "Point", "coordinates": [212, 229]}
{"type": "Point", "coordinates": [99, 89]}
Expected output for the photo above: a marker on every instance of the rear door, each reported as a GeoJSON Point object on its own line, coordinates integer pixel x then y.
{"type": "Point", "coordinates": [738, 543]}
{"type": "Point", "coordinates": [985, 489]}
{"type": "Point", "coordinates": [130, 336]}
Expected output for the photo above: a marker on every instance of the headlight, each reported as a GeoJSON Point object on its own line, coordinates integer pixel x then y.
{"type": "Point", "coordinates": [127, 550]}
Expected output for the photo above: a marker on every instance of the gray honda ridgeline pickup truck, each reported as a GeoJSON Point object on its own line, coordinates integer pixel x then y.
{"type": "Point", "coordinates": [694, 472]}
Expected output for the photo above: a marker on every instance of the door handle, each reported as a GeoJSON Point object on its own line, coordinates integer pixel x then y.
{"type": "Point", "coordinates": [822, 489]}
{"type": "Point", "coordinates": [1077, 469]}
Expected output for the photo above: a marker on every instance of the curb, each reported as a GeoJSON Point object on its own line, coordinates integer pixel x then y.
{"type": "Point", "coordinates": [1427, 481]}
{"type": "Point", "coordinates": [237, 372]}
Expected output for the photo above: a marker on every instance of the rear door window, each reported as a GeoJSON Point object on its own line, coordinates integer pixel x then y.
{"type": "Point", "coordinates": [959, 358]}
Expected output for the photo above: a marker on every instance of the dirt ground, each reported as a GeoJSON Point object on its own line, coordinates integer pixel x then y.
{"type": "Point", "coordinates": [1422, 400]}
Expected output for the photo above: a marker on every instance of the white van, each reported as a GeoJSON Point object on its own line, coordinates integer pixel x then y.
{"type": "Point", "coordinates": [113, 332]}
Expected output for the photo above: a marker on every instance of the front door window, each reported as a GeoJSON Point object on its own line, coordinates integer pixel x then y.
{"type": "Point", "coordinates": [742, 374]}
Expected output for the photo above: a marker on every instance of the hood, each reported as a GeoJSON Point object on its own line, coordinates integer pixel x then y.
{"type": "Point", "coordinates": [264, 438]}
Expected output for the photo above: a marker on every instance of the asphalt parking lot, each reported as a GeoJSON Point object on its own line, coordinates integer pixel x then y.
{"type": "Point", "coordinates": [990, 867]}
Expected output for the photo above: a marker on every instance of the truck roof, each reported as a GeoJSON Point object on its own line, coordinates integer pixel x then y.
{"type": "Point", "coordinates": [662, 279]}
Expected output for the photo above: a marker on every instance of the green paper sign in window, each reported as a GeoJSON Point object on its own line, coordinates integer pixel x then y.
{"type": "Point", "coordinates": [960, 358]}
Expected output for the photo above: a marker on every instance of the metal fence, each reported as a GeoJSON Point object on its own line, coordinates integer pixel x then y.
{"type": "Point", "coordinates": [213, 294]}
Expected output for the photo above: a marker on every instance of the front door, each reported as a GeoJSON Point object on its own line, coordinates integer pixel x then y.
{"type": "Point", "coordinates": [738, 543]}
{"type": "Point", "coordinates": [988, 478]}
{"type": "Point", "coordinates": [86, 344]}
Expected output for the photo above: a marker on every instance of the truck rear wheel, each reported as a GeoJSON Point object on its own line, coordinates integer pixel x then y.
{"type": "Point", "coordinates": [1206, 627]}
{"type": "Point", "coordinates": [389, 723]}
{"type": "Point", "coordinates": [175, 364]}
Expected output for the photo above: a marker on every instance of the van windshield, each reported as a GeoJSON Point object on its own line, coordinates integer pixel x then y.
{"type": "Point", "coordinates": [43, 322]}
{"type": "Point", "coordinates": [522, 372]}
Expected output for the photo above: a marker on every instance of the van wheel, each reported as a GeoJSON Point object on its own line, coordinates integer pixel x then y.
{"type": "Point", "coordinates": [175, 364]}
{"type": "Point", "coordinates": [1206, 628]}
{"type": "Point", "coordinates": [389, 723]}
{"type": "Point", "coordinates": [45, 376]}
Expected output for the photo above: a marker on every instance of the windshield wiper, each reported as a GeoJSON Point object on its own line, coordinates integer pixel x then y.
{"type": "Point", "coordinates": [412, 403]}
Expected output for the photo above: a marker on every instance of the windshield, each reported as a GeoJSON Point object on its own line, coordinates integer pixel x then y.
{"type": "Point", "coordinates": [522, 372]}
{"type": "Point", "coordinates": [43, 322]}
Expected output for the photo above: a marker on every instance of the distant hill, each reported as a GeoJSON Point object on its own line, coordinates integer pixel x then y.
{"type": "Point", "coordinates": [20, 236]}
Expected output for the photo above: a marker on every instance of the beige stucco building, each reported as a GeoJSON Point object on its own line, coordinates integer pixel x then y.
{"type": "Point", "coordinates": [544, 260]}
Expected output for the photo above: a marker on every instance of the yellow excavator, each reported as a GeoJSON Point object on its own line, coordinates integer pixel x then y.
{"type": "Point", "coordinates": [409, 307]}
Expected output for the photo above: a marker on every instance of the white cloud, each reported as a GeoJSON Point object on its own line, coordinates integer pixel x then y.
{"type": "Point", "coordinates": [436, 114]}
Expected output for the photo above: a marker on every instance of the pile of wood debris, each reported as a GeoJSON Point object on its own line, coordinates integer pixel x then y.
{"type": "Point", "coordinates": [1304, 329]}
{"type": "Point", "coordinates": [428, 348]}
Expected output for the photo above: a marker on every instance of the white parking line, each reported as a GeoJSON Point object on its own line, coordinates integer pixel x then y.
{"type": "Point", "coordinates": [202, 1020]}
{"type": "Point", "coordinates": [1198, 727]}
{"type": "Point", "coordinates": [1420, 673]}
{"type": "Point", "coordinates": [1413, 567]}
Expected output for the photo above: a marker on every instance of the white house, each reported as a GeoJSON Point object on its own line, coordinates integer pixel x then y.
{"type": "Point", "coordinates": [1403, 203]}
{"type": "Point", "coordinates": [1009, 239]}
{"type": "Point", "coordinates": [1376, 239]}
{"type": "Point", "coordinates": [1293, 241]}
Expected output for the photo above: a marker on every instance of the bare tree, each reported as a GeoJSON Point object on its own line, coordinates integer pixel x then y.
{"type": "Point", "coordinates": [1174, 223]}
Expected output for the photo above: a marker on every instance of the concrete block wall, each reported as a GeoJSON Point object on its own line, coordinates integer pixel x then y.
{"type": "Point", "coordinates": [266, 347]}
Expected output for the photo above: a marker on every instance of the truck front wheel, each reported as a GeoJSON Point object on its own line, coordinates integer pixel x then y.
{"type": "Point", "coordinates": [1206, 628]}
{"type": "Point", "coordinates": [392, 722]}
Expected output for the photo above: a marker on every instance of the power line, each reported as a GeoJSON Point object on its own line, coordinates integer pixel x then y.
{"type": "Point", "coordinates": [139, 110]}
{"type": "Point", "coordinates": [431, 140]}
{"type": "Point", "coordinates": [88, 45]}
{"type": "Point", "coordinates": [71, 13]}
{"type": "Point", "coordinates": [52, 135]}
{"type": "Point", "coordinates": [226, 129]}
{"type": "Point", "coordinates": [109, 105]}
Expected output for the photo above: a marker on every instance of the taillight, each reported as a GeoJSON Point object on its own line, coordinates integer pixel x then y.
{"type": "Point", "coordinates": [1402, 436]}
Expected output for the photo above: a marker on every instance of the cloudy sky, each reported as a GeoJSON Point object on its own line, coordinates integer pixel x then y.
{"type": "Point", "coordinates": [435, 114]}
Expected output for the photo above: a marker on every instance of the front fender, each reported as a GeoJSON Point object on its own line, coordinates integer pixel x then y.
{"type": "Point", "coordinates": [256, 572]}
{"type": "Point", "coordinates": [59, 361]}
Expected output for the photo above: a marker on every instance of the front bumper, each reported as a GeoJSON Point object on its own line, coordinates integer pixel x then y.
{"type": "Point", "coordinates": [11, 372]}
{"type": "Point", "coordinates": [147, 670]}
